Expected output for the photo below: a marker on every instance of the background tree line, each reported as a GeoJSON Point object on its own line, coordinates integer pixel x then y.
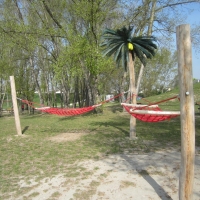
{"type": "Point", "coordinates": [52, 46]}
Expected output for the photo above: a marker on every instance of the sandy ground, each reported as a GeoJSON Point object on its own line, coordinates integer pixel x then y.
{"type": "Point", "coordinates": [148, 176]}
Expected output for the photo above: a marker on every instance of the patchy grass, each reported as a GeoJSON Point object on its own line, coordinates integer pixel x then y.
{"type": "Point", "coordinates": [55, 195]}
{"type": "Point", "coordinates": [34, 194]}
{"type": "Point", "coordinates": [125, 184]}
{"type": "Point", "coordinates": [36, 156]}
{"type": "Point", "coordinates": [87, 194]}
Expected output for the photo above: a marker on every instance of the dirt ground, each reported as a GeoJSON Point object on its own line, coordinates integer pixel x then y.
{"type": "Point", "coordinates": [149, 176]}
{"type": "Point", "coordinates": [63, 137]}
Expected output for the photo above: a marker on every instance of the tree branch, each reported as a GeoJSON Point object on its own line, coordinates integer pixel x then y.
{"type": "Point", "coordinates": [22, 46]}
{"type": "Point", "coordinates": [19, 12]}
{"type": "Point", "coordinates": [176, 4]}
{"type": "Point", "coordinates": [51, 14]}
{"type": "Point", "coordinates": [31, 33]}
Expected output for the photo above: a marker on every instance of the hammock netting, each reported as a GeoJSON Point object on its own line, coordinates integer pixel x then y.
{"type": "Point", "coordinates": [67, 111]}
{"type": "Point", "coordinates": [149, 113]}
{"type": "Point", "coordinates": [62, 111]}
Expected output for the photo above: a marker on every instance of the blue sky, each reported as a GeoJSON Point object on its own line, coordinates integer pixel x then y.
{"type": "Point", "coordinates": [194, 18]}
{"type": "Point", "coordinates": [191, 14]}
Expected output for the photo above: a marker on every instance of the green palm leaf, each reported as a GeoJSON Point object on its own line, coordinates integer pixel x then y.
{"type": "Point", "coordinates": [116, 43]}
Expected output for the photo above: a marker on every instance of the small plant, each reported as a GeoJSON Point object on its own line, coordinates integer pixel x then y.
{"type": "Point", "coordinates": [125, 184]}
{"type": "Point", "coordinates": [34, 194]}
{"type": "Point", "coordinates": [55, 195]}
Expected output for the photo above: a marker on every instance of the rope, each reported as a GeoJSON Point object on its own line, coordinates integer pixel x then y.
{"type": "Point", "coordinates": [114, 97]}
{"type": "Point", "coordinates": [158, 102]}
{"type": "Point", "coordinates": [68, 111]}
{"type": "Point", "coordinates": [155, 103]}
{"type": "Point", "coordinates": [150, 112]}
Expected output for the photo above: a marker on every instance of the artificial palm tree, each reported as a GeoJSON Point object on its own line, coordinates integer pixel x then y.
{"type": "Point", "coordinates": [125, 49]}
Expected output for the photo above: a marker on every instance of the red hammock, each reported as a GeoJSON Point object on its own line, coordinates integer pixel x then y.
{"type": "Point", "coordinates": [151, 112]}
{"type": "Point", "coordinates": [62, 111]}
{"type": "Point", "coordinates": [68, 111]}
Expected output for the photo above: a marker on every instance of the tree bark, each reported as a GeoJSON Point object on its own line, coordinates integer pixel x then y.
{"type": "Point", "coordinates": [139, 78]}
{"type": "Point", "coordinates": [151, 19]}
{"type": "Point", "coordinates": [149, 32]}
{"type": "Point", "coordinates": [87, 83]}
{"type": "Point", "coordinates": [35, 77]}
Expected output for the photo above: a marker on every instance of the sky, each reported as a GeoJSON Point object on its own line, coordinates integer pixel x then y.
{"type": "Point", "coordinates": [194, 18]}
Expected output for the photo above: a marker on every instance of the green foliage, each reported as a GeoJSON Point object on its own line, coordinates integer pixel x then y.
{"type": "Point", "coordinates": [160, 74]}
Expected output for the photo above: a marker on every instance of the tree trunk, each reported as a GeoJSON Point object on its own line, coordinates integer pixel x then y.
{"type": "Point", "coordinates": [151, 19]}
{"type": "Point", "coordinates": [35, 77]}
{"type": "Point", "coordinates": [139, 78]}
{"type": "Point", "coordinates": [65, 93]}
{"type": "Point", "coordinates": [133, 96]}
{"type": "Point", "coordinates": [122, 87]}
{"type": "Point", "coordinates": [123, 98]}
{"type": "Point", "coordinates": [149, 32]}
{"type": "Point", "coordinates": [2, 96]}
{"type": "Point", "coordinates": [87, 83]}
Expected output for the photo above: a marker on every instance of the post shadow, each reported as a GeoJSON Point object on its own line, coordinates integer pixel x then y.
{"type": "Point", "coordinates": [25, 129]}
{"type": "Point", "coordinates": [158, 189]}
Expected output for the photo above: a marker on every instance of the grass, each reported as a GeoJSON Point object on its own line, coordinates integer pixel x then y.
{"type": "Point", "coordinates": [125, 184]}
{"type": "Point", "coordinates": [87, 194]}
{"type": "Point", "coordinates": [34, 157]}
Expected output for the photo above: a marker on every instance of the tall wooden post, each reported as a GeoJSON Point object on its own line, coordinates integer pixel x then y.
{"type": "Point", "coordinates": [186, 179]}
{"type": "Point", "coordinates": [15, 108]}
{"type": "Point", "coordinates": [133, 98]}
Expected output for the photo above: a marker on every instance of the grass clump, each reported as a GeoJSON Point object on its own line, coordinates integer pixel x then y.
{"type": "Point", "coordinates": [125, 184]}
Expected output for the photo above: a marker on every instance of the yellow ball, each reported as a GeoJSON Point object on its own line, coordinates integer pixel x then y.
{"type": "Point", "coordinates": [130, 46]}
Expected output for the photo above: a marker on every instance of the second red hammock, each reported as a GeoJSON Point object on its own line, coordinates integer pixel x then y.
{"type": "Point", "coordinates": [150, 113]}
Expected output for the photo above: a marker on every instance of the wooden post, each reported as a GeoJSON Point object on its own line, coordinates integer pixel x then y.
{"type": "Point", "coordinates": [133, 98]}
{"type": "Point", "coordinates": [15, 108]}
{"type": "Point", "coordinates": [186, 179]}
